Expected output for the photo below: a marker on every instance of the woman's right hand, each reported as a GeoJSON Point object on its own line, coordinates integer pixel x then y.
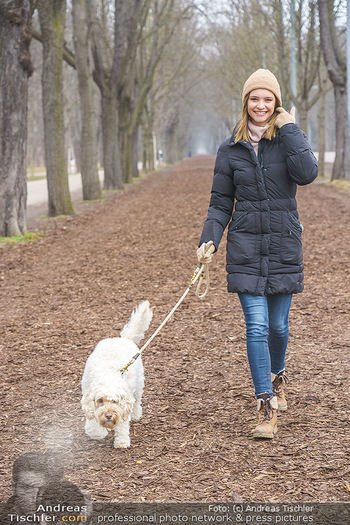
{"type": "Point", "coordinates": [284, 117]}
{"type": "Point", "coordinates": [205, 252]}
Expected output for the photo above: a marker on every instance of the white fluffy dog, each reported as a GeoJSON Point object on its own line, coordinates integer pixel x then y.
{"type": "Point", "coordinates": [112, 399]}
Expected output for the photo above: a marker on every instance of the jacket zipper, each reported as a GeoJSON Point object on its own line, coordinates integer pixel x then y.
{"type": "Point", "coordinates": [262, 168]}
{"type": "Point", "coordinates": [261, 161]}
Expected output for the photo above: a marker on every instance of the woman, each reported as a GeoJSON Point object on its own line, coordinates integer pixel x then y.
{"type": "Point", "coordinates": [258, 170]}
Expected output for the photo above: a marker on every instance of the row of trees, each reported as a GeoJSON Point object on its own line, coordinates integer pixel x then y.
{"type": "Point", "coordinates": [117, 47]}
{"type": "Point", "coordinates": [117, 73]}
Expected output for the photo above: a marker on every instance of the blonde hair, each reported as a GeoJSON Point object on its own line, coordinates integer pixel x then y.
{"type": "Point", "coordinates": [241, 130]}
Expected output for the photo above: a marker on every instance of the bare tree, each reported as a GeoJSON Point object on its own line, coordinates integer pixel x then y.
{"type": "Point", "coordinates": [35, 143]}
{"type": "Point", "coordinates": [334, 56]}
{"type": "Point", "coordinates": [154, 36]}
{"type": "Point", "coordinates": [324, 86]}
{"type": "Point", "coordinates": [88, 154]}
{"type": "Point", "coordinates": [308, 53]}
{"type": "Point", "coordinates": [126, 72]}
{"type": "Point", "coordinates": [128, 89]}
{"type": "Point", "coordinates": [173, 97]}
{"type": "Point", "coordinates": [238, 46]}
{"type": "Point", "coordinates": [108, 60]}
{"type": "Point", "coordinates": [52, 23]}
{"type": "Point", "coordinates": [15, 68]}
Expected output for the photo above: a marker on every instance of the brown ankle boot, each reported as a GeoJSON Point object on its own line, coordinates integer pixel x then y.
{"type": "Point", "coordinates": [278, 382]}
{"type": "Point", "coordinates": [267, 417]}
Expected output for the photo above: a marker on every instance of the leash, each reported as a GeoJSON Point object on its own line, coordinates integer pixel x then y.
{"type": "Point", "coordinates": [201, 275]}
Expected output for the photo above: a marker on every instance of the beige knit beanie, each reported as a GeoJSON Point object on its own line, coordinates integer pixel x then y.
{"type": "Point", "coordinates": [263, 79]}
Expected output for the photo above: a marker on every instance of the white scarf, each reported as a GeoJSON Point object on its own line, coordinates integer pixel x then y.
{"type": "Point", "coordinates": [255, 134]}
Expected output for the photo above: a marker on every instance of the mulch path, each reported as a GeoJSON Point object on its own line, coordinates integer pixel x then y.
{"type": "Point", "coordinates": [79, 283]}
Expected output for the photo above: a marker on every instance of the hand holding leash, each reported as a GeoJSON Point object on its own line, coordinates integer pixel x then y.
{"type": "Point", "coordinates": [205, 252]}
{"type": "Point", "coordinates": [205, 256]}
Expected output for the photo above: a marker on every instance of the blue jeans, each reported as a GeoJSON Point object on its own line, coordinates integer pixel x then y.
{"type": "Point", "coordinates": [267, 329]}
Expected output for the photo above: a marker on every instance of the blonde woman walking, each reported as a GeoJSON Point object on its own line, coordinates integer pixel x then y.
{"type": "Point", "coordinates": [256, 174]}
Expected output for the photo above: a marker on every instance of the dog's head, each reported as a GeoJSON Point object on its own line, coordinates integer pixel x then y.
{"type": "Point", "coordinates": [108, 409]}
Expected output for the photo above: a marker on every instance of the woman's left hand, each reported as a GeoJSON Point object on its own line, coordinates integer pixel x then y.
{"type": "Point", "coordinates": [284, 117]}
{"type": "Point", "coordinates": [205, 252]}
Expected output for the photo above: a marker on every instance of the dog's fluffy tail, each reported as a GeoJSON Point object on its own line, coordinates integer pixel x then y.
{"type": "Point", "coordinates": [139, 322]}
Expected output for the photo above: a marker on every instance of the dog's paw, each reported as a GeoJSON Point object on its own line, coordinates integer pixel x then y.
{"type": "Point", "coordinates": [121, 443]}
{"type": "Point", "coordinates": [94, 430]}
{"type": "Point", "coordinates": [136, 413]}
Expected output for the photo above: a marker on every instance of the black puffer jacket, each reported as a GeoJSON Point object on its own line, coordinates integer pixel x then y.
{"type": "Point", "coordinates": [264, 252]}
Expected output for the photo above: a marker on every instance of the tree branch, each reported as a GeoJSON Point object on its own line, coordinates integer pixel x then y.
{"type": "Point", "coordinates": [335, 72]}
{"type": "Point", "coordinates": [68, 55]}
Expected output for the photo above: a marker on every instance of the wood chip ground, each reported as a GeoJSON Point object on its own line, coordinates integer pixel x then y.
{"type": "Point", "coordinates": [79, 283]}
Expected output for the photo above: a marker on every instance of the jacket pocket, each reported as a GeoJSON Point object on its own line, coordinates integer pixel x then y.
{"type": "Point", "coordinates": [291, 242]}
{"type": "Point", "coordinates": [239, 220]}
{"type": "Point", "coordinates": [294, 223]}
{"type": "Point", "coordinates": [241, 248]}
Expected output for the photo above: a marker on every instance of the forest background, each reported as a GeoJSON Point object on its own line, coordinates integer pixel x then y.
{"type": "Point", "coordinates": [122, 85]}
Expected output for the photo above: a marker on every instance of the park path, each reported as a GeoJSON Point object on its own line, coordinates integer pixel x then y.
{"type": "Point", "coordinates": [37, 198]}
{"type": "Point", "coordinates": [78, 284]}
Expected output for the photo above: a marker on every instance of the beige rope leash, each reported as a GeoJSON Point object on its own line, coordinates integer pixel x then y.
{"type": "Point", "coordinates": [201, 275]}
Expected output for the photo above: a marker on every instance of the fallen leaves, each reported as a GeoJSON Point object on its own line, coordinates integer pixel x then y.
{"type": "Point", "coordinates": [193, 443]}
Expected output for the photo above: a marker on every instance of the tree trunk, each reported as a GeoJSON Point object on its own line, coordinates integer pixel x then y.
{"type": "Point", "coordinates": [88, 153]}
{"type": "Point", "coordinates": [124, 138]}
{"type": "Point", "coordinates": [106, 76]}
{"type": "Point", "coordinates": [113, 179]}
{"type": "Point", "coordinates": [127, 172]}
{"type": "Point", "coordinates": [302, 117]}
{"type": "Point", "coordinates": [341, 162]}
{"type": "Point", "coordinates": [128, 129]}
{"type": "Point", "coordinates": [134, 144]}
{"type": "Point", "coordinates": [144, 156]}
{"type": "Point", "coordinates": [147, 139]}
{"type": "Point", "coordinates": [336, 66]}
{"type": "Point", "coordinates": [52, 21]}
{"type": "Point", "coordinates": [150, 151]}
{"type": "Point", "coordinates": [15, 68]}
{"type": "Point", "coordinates": [321, 139]}
{"type": "Point", "coordinates": [145, 147]}
{"type": "Point", "coordinates": [76, 138]}
{"type": "Point", "coordinates": [172, 149]}
{"type": "Point", "coordinates": [172, 143]}
{"type": "Point", "coordinates": [74, 130]}
{"type": "Point", "coordinates": [129, 143]}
